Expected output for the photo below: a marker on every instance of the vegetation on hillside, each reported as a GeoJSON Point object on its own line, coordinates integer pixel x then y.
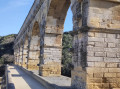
{"type": "Point", "coordinates": [6, 48]}
{"type": "Point", "coordinates": [66, 55]}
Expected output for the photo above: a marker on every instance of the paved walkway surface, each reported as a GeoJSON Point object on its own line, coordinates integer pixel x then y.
{"type": "Point", "coordinates": [21, 80]}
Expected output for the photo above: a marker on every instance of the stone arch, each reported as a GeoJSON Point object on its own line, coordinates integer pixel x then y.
{"type": "Point", "coordinates": [51, 38]}
{"type": "Point", "coordinates": [57, 13]}
{"type": "Point", "coordinates": [34, 50]}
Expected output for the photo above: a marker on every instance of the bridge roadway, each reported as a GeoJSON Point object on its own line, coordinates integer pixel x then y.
{"type": "Point", "coordinates": [21, 80]}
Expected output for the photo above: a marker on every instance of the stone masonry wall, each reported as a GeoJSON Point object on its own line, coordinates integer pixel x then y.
{"type": "Point", "coordinates": [103, 60]}
{"type": "Point", "coordinates": [100, 66]}
{"type": "Point", "coordinates": [96, 60]}
{"type": "Point", "coordinates": [96, 44]}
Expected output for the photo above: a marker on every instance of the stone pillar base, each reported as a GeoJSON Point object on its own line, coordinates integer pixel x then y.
{"type": "Point", "coordinates": [50, 70]}
{"type": "Point", "coordinates": [24, 65]}
{"type": "Point", "coordinates": [32, 65]}
{"type": "Point", "coordinates": [79, 78]}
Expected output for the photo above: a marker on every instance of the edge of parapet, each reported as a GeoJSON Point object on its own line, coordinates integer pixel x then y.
{"type": "Point", "coordinates": [42, 81]}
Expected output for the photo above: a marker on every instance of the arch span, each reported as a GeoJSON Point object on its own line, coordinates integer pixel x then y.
{"type": "Point", "coordinates": [34, 50]}
{"type": "Point", "coordinates": [52, 52]}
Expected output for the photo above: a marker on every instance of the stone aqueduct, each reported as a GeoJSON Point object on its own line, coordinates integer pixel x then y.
{"type": "Point", "coordinates": [96, 44]}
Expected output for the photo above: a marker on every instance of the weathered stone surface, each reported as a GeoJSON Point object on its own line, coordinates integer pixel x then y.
{"type": "Point", "coordinates": [96, 43]}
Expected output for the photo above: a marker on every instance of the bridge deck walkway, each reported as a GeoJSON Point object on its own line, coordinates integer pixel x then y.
{"type": "Point", "coordinates": [21, 80]}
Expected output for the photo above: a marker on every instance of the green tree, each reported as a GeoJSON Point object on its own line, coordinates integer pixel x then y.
{"type": "Point", "coordinates": [66, 55]}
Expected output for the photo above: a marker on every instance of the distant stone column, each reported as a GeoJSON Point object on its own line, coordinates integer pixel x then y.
{"type": "Point", "coordinates": [28, 52]}
{"type": "Point", "coordinates": [20, 56]}
{"type": "Point", "coordinates": [96, 55]}
{"type": "Point", "coordinates": [25, 53]}
{"type": "Point", "coordinates": [15, 56]}
{"type": "Point", "coordinates": [34, 53]}
{"type": "Point", "coordinates": [17, 59]}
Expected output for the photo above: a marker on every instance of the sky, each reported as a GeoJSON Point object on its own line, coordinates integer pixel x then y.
{"type": "Point", "coordinates": [14, 12]}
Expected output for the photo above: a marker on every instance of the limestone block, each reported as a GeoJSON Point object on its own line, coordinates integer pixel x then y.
{"type": "Point", "coordinates": [105, 85]}
{"type": "Point", "coordinates": [94, 80]}
{"type": "Point", "coordinates": [96, 70]}
{"type": "Point", "coordinates": [100, 54]}
{"type": "Point", "coordinates": [100, 44]}
{"type": "Point", "coordinates": [96, 49]}
{"type": "Point", "coordinates": [117, 70]}
{"type": "Point", "coordinates": [95, 39]}
{"type": "Point", "coordinates": [111, 54]}
{"type": "Point", "coordinates": [91, 34]}
{"type": "Point", "coordinates": [98, 75]}
{"type": "Point", "coordinates": [100, 64]}
{"type": "Point", "coordinates": [93, 59]}
{"type": "Point", "coordinates": [90, 64]}
{"type": "Point", "coordinates": [90, 53]}
{"type": "Point", "coordinates": [51, 21]}
{"type": "Point", "coordinates": [111, 45]}
{"type": "Point", "coordinates": [118, 75]}
{"type": "Point", "coordinates": [118, 36]}
{"type": "Point", "coordinates": [111, 50]}
{"type": "Point", "coordinates": [110, 75]}
{"type": "Point", "coordinates": [114, 0]}
{"type": "Point", "coordinates": [91, 43]}
{"type": "Point", "coordinates": [111, 35]}
{"type": "Point", "coordinates": [112, 65]}
{"type": "Point", "coordinates": [101, 14]}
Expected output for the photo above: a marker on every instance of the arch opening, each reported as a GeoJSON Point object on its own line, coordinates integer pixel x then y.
{"type": "Point", "coordinates": [53, 38]}
{"type": "Point", "coordinates": [34, 51]}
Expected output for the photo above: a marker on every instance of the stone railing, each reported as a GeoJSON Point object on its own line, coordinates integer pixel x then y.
{"type": "Point", "coordinates": [8, 82]}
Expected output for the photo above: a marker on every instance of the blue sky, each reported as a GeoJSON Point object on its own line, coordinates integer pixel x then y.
{"type": "Point", "coordinates": [14, 12]}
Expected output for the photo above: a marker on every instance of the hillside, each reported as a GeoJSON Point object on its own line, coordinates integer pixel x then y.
{"type": "Point", "coordinates": [6, 48]}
